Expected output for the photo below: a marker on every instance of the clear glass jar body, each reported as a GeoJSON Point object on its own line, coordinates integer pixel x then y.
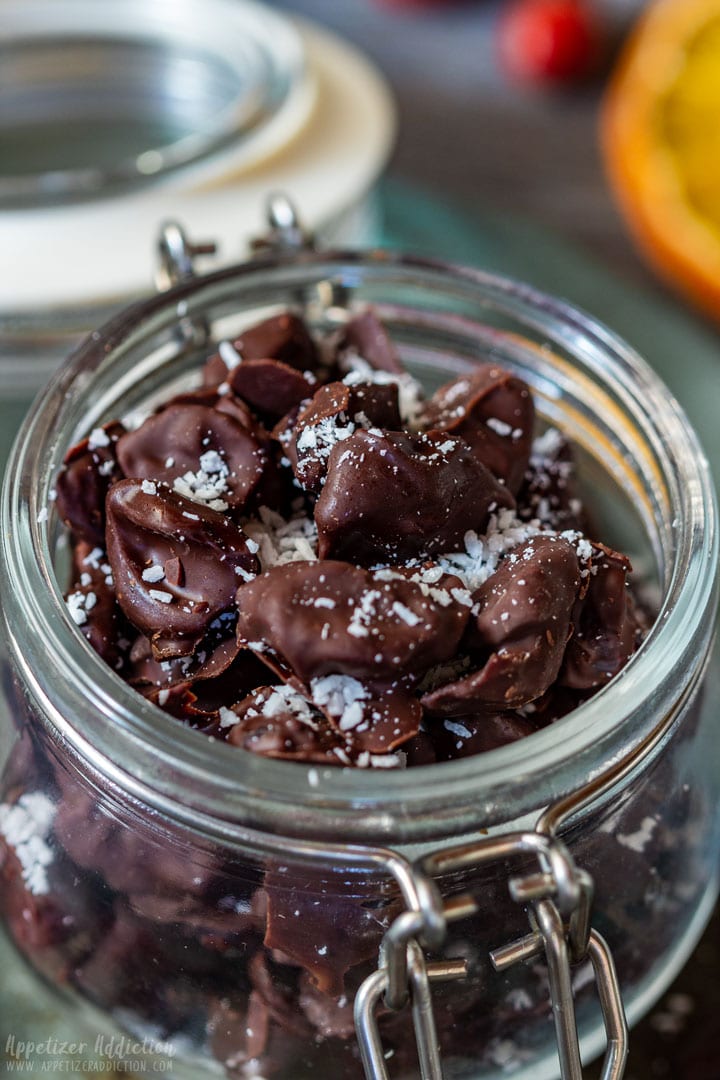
{"type": "Point", "coordinates": [235, 907]}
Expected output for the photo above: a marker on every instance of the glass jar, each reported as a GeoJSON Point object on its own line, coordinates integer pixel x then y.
{"type": "Point", "coordinates": [236, 906]}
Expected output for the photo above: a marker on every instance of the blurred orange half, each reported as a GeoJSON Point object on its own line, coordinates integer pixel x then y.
{"type": "Point", "coordinates": [660, 127]}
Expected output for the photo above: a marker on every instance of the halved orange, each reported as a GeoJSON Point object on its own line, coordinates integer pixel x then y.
{"type": "Point", "coordinates": [661, 138]}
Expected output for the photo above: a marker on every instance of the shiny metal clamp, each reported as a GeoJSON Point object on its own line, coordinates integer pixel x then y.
{"type": "Point", "coordinates": [558, 899]}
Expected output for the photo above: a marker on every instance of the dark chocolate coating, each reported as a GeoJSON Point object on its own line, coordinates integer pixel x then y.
{"type": "Point", "coordinates": [331, 617]}
{"type": "Point", "coordinates": [334, 407]}
{"type": "Point", "coordinates": [282, 337]}
{"type": "Point", "coordinates": [464, 736]}
{"type": "Point", "coordinates": [83, 482]}
{"type": "Point", "coordinates": [225, 402]}
{"type": "Point", "coordinates": [270, 387]}
{"type": "Point", "coordinates": [494, 412]}
{"type": "Point", "coordinates": [173, 442]}
{"type": "Point", "coordinates": [398, 496]}
{"type": "Point", "coordinates": [285, 735]}
{"type": "Point", "coordinates": [200, 551]}
{"type": "Point", "coordinates": [103, 623]}
{"type": "Point", "coordinates": [605, 625]}
{"type": "Point", "coordinates": [523, 622]}
{"type": "Point", "coordinates": [366, 335]}
{"type": "Point", "coordinates": [549, 493]}
{"type": "Point", "coordinates": [350, 931]}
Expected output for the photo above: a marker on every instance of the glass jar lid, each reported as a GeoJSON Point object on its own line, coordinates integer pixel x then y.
{"type": "Point", "coordinates": [103, 98]}
{"type": "Point", "coordinates": [311, 115]}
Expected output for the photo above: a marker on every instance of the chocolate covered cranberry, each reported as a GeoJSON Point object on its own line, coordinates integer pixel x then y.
{"type": "Point", "coordinates": [331, 617]}
{"type": "Point", "coordinates": [93, 606]}
{"type": "Point", "coordinates": [203, 453]}
{"type": "Point", "coordinates": [366, 336]}
{"type": "Point", "coordinates": [397, 496]}
{"type": "Point", "coordinates": [270, 387]}
{"type": "Point", "coordinates": [606, 631]}
{"type": "Point", "coordinates": [282, 337]}
{"type": "Point", "coordinates": [522, 625]}
{"type": "Point", "coordinates": [82, 484]}
{"type": "Point", "coordinates": [176, 564]}
{"type": "Point", "coordinates": [334, 413]}
{"type": "Point", "coordinates": [278, 722]}
{"type": "Point", "coordinates": [494, 412]}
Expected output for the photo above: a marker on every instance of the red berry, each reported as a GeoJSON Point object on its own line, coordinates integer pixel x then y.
{"type": "Point", "coordinates": [549, 40]}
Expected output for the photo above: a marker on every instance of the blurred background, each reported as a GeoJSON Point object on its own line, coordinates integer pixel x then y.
{"type": "Point", "coordinates": [497, 105]}
{"type": "Point", "coordinates": [571, 143]}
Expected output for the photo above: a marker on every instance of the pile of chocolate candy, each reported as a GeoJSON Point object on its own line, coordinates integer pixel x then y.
{"type": "Point", "coordinates": [307, 558]}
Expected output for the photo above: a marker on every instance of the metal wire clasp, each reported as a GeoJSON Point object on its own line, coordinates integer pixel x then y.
{"type": "Point", "coordinates": [176, 255]}
{"type": "Point", "coordinates": [558, 899]}
{"type": "Point", "coordinates": [285, 231]}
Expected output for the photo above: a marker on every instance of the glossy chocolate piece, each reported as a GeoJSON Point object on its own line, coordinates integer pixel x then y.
{"type": "Point", "coordinates": [282, 337]}
{"type": "Point", "coordinates": [224, 402]}
{"type": "Point", "coordinates": [88, 471]}
{"type": "Point", "coordinates": [605, 625]}
{"type": "Point", "coordinates": [277, 722]}
{"type": "Point", "coordinates": [338, 930]}
{"type": "Point", "coordinates": [365, 335]}
{"type": "Point", "coordinates": [333, 414]}
{"type": "Point", "coordinates": [522, 625]}
{"type": "Point", "coordinates": [494, 412]}
{"type": "Point", "coordinates": [377, 717]}
{"type": "Point", "coordinates": [333, 618]}
{"type": "Point", "coordinates": [270, 387]}
{"type": "Point", "coordinates": [94, 608]}
{"type": "Point", "coordinates": [466, 735]}
{"type": "Point", "coordinates": [204, 454]}
{"type": "Point", "coordinates": [549, 493]}
{"type": "Point", "coordinates": [397, 496]}
{"type": "Point", "coordinates": [213, 656]}
{"type": "Point", "coordinates": [175, 563]}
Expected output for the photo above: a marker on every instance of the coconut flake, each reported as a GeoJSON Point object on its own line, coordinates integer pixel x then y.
{"type": "Point", "coordinates": [25, 826]}
{"type": "Point", "coordinates": [228, 718]}
{"type": "Point", "coordinates": [342, 696]}
{"type": "Point", "coordinates": [208, 484]}
{"type": "Point", "coordinates": [153, 573]}
{"type": "Point", "coordinates": [280, 540]}
{"type": "Point", "coordinates": [98, 438]}
{"type": "Point", "coordinates": [161, 595]}
{"type": "Point", "coordinates": [229, 355]}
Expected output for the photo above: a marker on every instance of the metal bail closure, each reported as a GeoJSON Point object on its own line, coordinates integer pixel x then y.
{"type": "Point", "coordinates": [550, 938]}
{"type": "Point", "coordinates": [403, 971]}
{"type": "Point", "coordinates": [420, 975]}
{"type": "Point", "coordinates": [558, 899]}
{"type": "Point", "coordinates": [285, 230]}
{"type": "Point", "coordinates": [176, 255]}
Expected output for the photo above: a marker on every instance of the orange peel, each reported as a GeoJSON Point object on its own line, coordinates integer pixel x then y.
{"type": "Point", "coordinates": [660, 132]}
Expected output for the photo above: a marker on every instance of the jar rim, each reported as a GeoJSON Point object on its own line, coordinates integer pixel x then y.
{"type": "Point", "coordinates": [362, 805]}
